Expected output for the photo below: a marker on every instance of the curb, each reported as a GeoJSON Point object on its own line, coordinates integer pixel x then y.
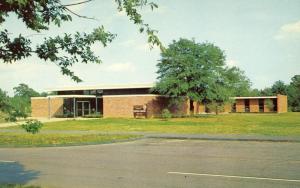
{"type": "Point", "coordinates": [224, 139]}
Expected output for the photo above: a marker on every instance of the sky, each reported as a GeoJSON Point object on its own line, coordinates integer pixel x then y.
{"type": "Point", "coordinates": [261, 37]}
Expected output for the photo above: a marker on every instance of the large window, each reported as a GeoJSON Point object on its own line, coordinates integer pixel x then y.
{"type": "Point", "coordinates": [275, 105]}
{"type": "Point", "coordinates": [233, 107]}
{"type": "Point", "coordinates": [191, 107]}
{"type": "Point", "coordinates": [247, 105]}
{"type": "Point", "coordinates": [261, 105]}
{"type": "Point", "coordinates": [68, 108]}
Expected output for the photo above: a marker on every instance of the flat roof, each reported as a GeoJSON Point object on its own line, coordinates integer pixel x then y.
{"type": "Point", "coordinates": [258, 97]}
{"type": "Point", "coordinates": [66, 96]}
{"type": "Point", "coordinates": [102, 87]}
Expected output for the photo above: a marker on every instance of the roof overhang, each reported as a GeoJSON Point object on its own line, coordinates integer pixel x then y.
{"type": "Point", "coordinates": [103, 87]}
{"type": "Point", "coordinates": [66, 96]}
{"type": "Point", "coordinates": [258, 97]}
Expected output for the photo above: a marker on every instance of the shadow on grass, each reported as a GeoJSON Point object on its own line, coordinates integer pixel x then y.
{"type": "Point", "coordinates": [14, 173]}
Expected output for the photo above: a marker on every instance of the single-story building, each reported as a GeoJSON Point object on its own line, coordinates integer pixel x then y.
{"type": "Point", "coordinates": [119, 101]}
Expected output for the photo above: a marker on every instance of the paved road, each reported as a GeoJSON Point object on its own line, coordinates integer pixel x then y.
{"type": "Point", "coordinates": [156, 163]}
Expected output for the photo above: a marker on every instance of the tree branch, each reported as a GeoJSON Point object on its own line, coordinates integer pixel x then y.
{"type": "Point", "coordinates": [72, 4]}
{"type": "Point", "coordinates": [78, 15]}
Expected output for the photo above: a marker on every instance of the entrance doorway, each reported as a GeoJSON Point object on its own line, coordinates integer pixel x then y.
{"type": "Point", "coordinates": [83, 108]}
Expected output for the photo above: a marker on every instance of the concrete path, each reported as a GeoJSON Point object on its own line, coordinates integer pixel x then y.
{"type": "Point", "coordinates": [156, 163]}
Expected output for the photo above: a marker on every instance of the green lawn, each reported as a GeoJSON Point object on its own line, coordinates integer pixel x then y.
{"type": "Point", "coordinates": [262, 124]}
{"type": "Point", "coordinates": [59, 139]}
{"type": "Point", "coordinates": [57, 133]}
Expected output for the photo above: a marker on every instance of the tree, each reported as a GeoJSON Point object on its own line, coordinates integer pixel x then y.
{"type": "Point", "coordinates": [197, 71]}
{"type": "Point", "coordinates": [66, 49]}
{"type": "Point", "coordinates": [24, 91]}
{"type": "Point", "coordinates": [4, 101]}
{"type": "Point", "coordinates": [239, 82]}
{"type": "Point", "coordinates": [21, 100]}
{"type": "Point", "coordinates": [279, 88]}
{"type": "Point", "coordinates": [254, 92]}
{"type": "Point", "coordinates": [294, 94]}
{"type": "Point", "coordinates": [266, 92]}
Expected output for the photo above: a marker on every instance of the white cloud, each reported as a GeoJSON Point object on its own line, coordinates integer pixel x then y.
{"type": "Point", "coordinates": [231, 63]}
{"type": "Point", "coordinates": [128, 43]}
{"type": "Point", "coordinates": [121, 14]}
{"type": "Point", "coordinates": [138, 45]}
{"type": "Point", "coordinates": [120, 67]}
{"type": "Point", "coordinates": [289, 31]}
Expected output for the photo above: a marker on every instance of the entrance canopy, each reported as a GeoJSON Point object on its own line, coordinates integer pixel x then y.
{"type": "Point", "coordinates": [70, 105]}
{"type": "Point", "coordinates": [67, 96]}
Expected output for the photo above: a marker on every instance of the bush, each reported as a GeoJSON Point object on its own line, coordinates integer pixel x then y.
{"type": "Point", "coordinates": [32, 126]}
{"type": "Point", "coordinates": [270, 105]}
{"type": "Point", "coordinates": [14, 114]}
{"type": "Point", "coordinates": [94, 115]}
{"type": "Point", "coordinates": [12, 117]}
{"type": "Point", "coordinates": [166, 114]}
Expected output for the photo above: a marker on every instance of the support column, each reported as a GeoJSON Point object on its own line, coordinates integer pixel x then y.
{"type": "Point", "coordinates": [74, 106]}
{"type": "Point", "coordinates": [96, 104]}
{"type": "Point", "coordinates": [49, 108]}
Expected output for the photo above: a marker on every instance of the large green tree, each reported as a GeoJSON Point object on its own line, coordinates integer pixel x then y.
{"type": "Point", "coordinates": [21, 100]}
{"type": "Point", "coordinates": [24, 91]}
{"type": "Point", "coordinates": [4, 101]}
{"type": "Point", "coordinates": [66, 49]}
{"type": "Point", "coordinates": [279, 87]}
{"type": "Point", "coordinates": [294, 94]}
{"type": "Point", "coordinates": [197, 71]}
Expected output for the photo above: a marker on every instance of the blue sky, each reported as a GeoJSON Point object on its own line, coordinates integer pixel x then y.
{"type": "Point", "coordinates": [261, 37]}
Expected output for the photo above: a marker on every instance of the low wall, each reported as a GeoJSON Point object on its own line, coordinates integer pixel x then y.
{"type": "Point", "coordinates": [40, 106]}
{"type": "Point", "coordinates": [122, 105]}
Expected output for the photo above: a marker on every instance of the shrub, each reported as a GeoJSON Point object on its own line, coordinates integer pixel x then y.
{"type": "Point", "coordinates": [32, 126]}
{"type": "Point", "coordinates": [166, 114]}
{"type": "Point", "coordinates": [215, 107]}
{"type": "Point", "coordinates": [14, 114]}
{"type": "Point", "coordinates": [270, 105]}
{"type": "Point", "coordinates": [93, 115]}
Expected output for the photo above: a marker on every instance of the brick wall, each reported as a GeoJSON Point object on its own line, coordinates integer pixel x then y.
{"type": "Point", "coordinates": [227, 108]}
{"type": "Point", "coordinates": [40, 106]}
{"type": "Point", "coordinates": [122, 106]}
{"type": "Point", "coordinates": [199, 108]}
{"type": "Point", "coordinates": [254, 107]}
{"type": "Point", "coordinates": [240, 105]}
{"type": "Point", "coordinates": [282, 103]}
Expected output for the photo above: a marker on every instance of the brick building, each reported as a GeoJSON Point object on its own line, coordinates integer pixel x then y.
{"type": "Point", "coordinates": [118, 101]}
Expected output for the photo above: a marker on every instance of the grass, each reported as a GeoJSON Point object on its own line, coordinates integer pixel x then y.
{"type": "Point", "coordinates": [287, 124]}
{"type": "Point", "coordinates": [72, 132]}
{"type": "Point", "coordinates": [28, 140]}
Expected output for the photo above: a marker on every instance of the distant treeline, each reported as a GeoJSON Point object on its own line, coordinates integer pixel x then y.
{"type": "Point", "coordinates": [17, 106]}
{"type": "Point", "coordinates": [292, 90]}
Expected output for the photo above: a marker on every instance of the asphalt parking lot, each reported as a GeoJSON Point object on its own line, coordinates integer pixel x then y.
{"type": "Point", "coordinates": [156, 163]}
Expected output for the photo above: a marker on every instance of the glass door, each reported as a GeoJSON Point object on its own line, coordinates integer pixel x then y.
{"type": "Point", "coordinates": [83, 108]}
{"type": "Point", "coordinates": [79, 108]}
{"type": "Point", "coordinates": [86, 108]}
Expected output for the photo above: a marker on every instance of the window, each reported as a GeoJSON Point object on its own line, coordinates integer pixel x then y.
{"type": "Point", "coordinates": [275, 105]}
{"type": "Point", "coordinates": [247, 105]}
{"type": "Point", "coordinates": [261, 105]}
{"type": "Point", "coordinates": [191, 107]}
{"type": "Point", "coordinates": [233, 107]}
{"type": "Point", "coordinates": [86, 92]}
